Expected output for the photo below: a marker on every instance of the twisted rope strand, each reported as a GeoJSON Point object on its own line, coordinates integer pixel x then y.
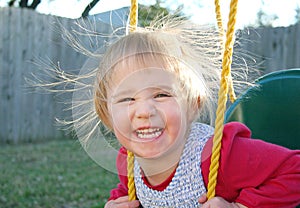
{"type": "Point", "coordinates": [133, 18]}
{"type": "Point", "coordinates": [130, 175]}
{"type": "Point", "coordinates": [223, 91]}
{"type": "Point", "coordinates": [219, 20]}
{"type": "Point", "coordinates": [130, 156]}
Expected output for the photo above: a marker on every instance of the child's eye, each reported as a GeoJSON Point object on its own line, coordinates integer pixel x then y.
{"type": "Point", "coordinates": [126, 100]}
{"type": "Point", "coordinates": [162, 95]}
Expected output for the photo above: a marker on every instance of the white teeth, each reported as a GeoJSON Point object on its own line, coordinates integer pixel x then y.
{"type": "Point", "coordinates": [150, 130]}
{"type": "Point", "coordinates": [149, 133]}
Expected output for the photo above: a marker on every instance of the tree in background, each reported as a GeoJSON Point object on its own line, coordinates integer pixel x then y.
{"type": "Point", "coordinates": [264, 19]}
{"type": "Point", "coordinates": [25, 4]}
{"type": "Point", "coordinates": [146, 13]}
{"type": "Point", "coordinates": [297, 16]}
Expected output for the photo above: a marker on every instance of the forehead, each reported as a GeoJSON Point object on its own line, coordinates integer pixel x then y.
{"type": "Point", "coordinates": [141, 78]}
{"type": "Point", "coordinates": [134, 74]}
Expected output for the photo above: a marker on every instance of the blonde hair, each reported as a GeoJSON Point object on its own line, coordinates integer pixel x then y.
{"type": "Point", "coordinates": [192, 53]}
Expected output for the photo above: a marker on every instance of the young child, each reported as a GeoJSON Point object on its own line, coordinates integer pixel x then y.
{"type": "Point", "coordinates": [152, 89]}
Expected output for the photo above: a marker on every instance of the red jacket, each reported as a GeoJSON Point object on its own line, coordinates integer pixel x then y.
{"type": "Point", "coordinates": [251, 172]}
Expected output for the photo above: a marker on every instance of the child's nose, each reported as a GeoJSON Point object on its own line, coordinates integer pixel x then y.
{"type": "Point", "coordinates": [145, 109]}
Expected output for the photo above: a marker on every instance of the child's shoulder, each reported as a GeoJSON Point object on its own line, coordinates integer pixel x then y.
{"type": "Point", "coordinates": [236, 129]}
{"type": "Point", "coordinates": [230, 131]}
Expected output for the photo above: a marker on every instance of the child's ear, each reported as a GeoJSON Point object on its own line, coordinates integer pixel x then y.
{"type": "Point", "coordinates": [198, 103]}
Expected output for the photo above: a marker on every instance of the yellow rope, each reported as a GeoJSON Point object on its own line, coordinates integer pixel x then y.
{"type": "Point", "coordinates": [224, 85]}
{"type": "Point", "coordinates": [133, 18]}
{"type": "Point", "coordinates": [219, 21]}
{"type": "Point", "coordinates": [131, 187]}
{"type": "Point", "coordinates": [130, 156]}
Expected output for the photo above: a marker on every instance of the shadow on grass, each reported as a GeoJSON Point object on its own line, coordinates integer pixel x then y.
{"type": "Point", "coordinates": [55, 174]}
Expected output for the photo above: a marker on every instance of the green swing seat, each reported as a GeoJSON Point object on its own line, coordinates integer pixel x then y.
{"type": "Point", "coordinates": [271, 109]}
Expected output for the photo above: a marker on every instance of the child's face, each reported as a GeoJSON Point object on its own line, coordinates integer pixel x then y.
{"type": "Point", "coordinates": [147, 114]}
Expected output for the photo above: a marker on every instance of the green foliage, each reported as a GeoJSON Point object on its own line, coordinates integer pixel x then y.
{"type": "Point", "coordinates": [55, 174]}
{"type": "Point", "coordinates": [146, 14]}
{"type": "Point", "coordinates": [297, 16]}
{"type": "Point", "coordinates": [25, 3]}
{"type": "Point", "coordinates": [264, 19]}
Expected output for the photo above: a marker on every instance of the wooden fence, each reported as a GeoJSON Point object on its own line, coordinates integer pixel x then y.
{"type": "Point", "coordinates": [26, 36]}
{"type": "Point", "coordinates": [26, 39]}
{"type": "Point", "coordinates": [272, 48]}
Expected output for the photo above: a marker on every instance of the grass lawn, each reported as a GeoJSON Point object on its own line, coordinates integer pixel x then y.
{"type": "Point", "coordinates": [53, 174]}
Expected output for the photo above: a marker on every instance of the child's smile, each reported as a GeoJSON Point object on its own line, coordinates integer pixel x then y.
{"type": "Point", "coordinates": [148, 115]}
{"type": "Point", "coordinates": [149, 133]}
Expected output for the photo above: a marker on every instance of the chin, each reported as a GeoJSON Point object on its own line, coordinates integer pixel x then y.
{"type": "Point", "coordinates": [149, 155]}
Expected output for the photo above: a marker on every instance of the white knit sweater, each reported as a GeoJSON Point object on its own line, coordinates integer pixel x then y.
{"type": "Point", "coordinates": [187, 184]}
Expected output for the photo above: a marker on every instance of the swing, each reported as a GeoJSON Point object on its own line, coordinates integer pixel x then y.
{"type": "Point", "coordinates": [271, 108]}
{"type": "Point", "coordinates": [225, 88]}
